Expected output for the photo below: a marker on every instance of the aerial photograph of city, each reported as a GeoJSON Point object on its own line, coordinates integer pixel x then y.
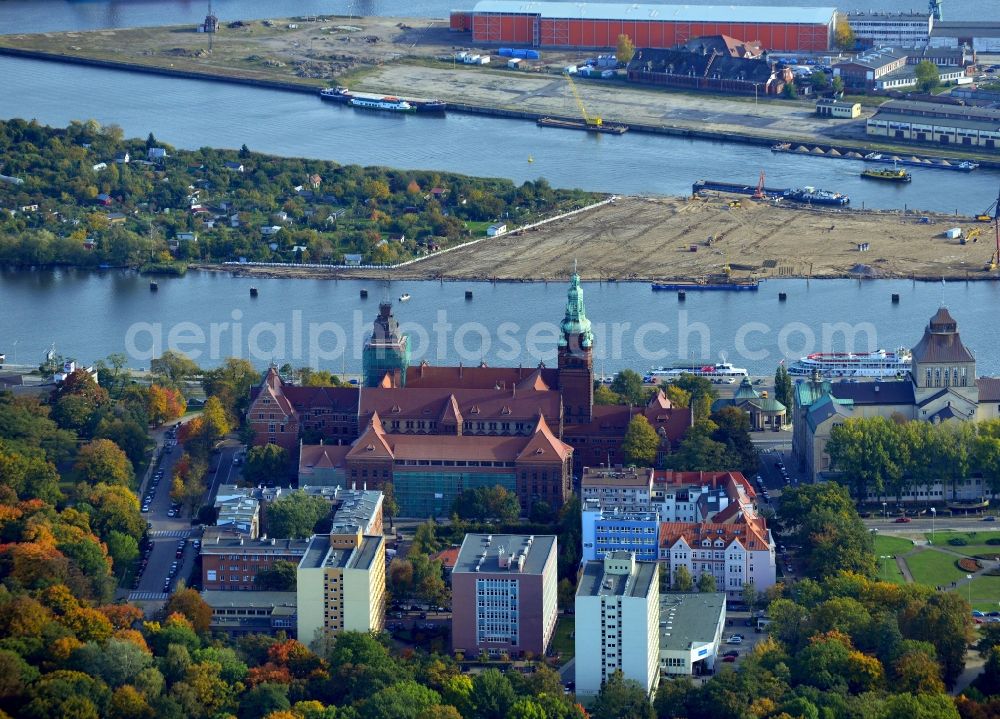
{"type": "Point", "coordinates": [499, 359]}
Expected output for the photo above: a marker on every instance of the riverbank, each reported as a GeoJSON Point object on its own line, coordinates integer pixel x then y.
{"type": "Point", "coordinates": [401, 56]}
{"type": "Point", "coordinates": [651, 238]}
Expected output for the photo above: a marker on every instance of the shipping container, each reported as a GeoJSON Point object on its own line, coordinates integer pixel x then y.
{"type": "Point", "coordinates": [505, 52]}
{"type": "Point", "coordinates": [484, 60]}
{"type": "Point", "coordinates": [514, 63]}
{"type": "Point", "coordinates": [519, 53]}
{"type": "Point", "coordinates": [954, 233]}
{"type": "Point", "coordinates": [532, 54]}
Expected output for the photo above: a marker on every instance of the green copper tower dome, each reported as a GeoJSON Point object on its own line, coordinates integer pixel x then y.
{"type": "Point", "coordinates": [575, 323]}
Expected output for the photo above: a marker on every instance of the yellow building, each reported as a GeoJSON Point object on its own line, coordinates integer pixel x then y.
{"type": "Point", "coordinates": [341, 584]}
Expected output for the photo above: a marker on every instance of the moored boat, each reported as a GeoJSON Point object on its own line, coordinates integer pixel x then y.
{"type": "Point", "coordinates": [724, 284]}
{"type": "Point", "coordinates": [814, 196]}
{"type": "Point", "coordinates": [879, 363]}
{"type": "Point", "coordinates": [720, 371]}
{"type": "Point", "coordinates": [387, 103]}
{"type": "Point", "coordinates": [405, 297]}
{"type": "Point", "coordinates": [345, 96]}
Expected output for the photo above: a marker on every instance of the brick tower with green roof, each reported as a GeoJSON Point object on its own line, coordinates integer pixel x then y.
{"type": "Point", "coordinates": [576, 359]}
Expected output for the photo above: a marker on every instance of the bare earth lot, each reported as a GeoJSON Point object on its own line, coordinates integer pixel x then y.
{"type": "Point", "coordinates": [642, 238]}
{"type": "Point", "coordinates": [401, 56]}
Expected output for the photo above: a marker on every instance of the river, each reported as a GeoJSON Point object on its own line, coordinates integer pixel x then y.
{"type": "Point", "coordinates": [88, 315]}
{"type": "Point", "coordinates": [51, 15]}
{"type": "Point", "coordinates": [192, 114]}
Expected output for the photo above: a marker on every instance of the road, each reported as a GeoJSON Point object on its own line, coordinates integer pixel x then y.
{"type": "Point", "coordinates": [164, 530]}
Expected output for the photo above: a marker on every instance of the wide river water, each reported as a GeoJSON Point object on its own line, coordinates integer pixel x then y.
{"type": "Point", "coordinates": [323, 322]}
{"type": "Point", "coordinates": [193, 114]}
{"type": "Point", "coordinates": [50, 15]}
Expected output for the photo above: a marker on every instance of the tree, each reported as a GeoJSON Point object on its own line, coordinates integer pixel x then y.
{"type": "Point", "coordinates": [165, 404]}
{"type": "Point", "coordinates": [487, 503]}
{"type": "Point", "coordinates": [751, 597]}
{"type": "Point", "coordinates": [783, 383]}
{"type": "Point", "coordinates": [706, 582]}
{"type": "Point", "coordinates": [627, 384]}
{"type": "Point", "coordinates": [820, 81]}
{"type": "Point", "coordinates": [173, 367]}
{"type": "Point", "coordinates": [123, 548]}
{"type": "Point", "coordinates": [837, 85]}
{"type": "Point", "coordinates": [101, 460]}
{"type": "Point", "coordinates": [641, 442]}
{"type": "Point", "coordinates": [281, 577]}
{"type": "Point", "coordinates": [402, 700]}
{"type": "Point", "coordinates": [215, 422]}
{"type": "Point", "coordinates": [626, 49]}
{"type": "Point", "coordinates": [295, 515]}
{"type": "Point", "coordinates": [390, 507]}
{"type": "Point", "coordinates": [492, 695]}
{"type": "Point", "coordinates": [231, 384]}
{"type": "Point", "coordinates": [733, 431]}
{"type": "Point", "coordinates": [604, 396]}
{"type": "Point", "coordinates": [266, 463]}
{"type": "Point", "coordinates": [702, 393]}
{"type": "Point", "coordinates": [683, 582]}
{"type": "Point", "coordinates": [699, 452]}
{"type": "Point", "coordinates": [843, 36]}
{"type": "Point", "coordinates": [928, 75]}
{"type": "Point", "coordinates": [540, 512]}
{"type": "Point", "coordinates": [678, 396]}
{"type": "Point", "coordinates": [622, 698]}
{"type": "Point", "coordinates": [188, 603]}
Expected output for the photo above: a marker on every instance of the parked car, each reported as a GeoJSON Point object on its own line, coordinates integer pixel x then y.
{"type": "Point", "coordinates": [990, 518]}
{"type": "Point", "coordinates": [902, 520]}
{"type": "Point", "coordinates": [977, 613]}
{"type": "Point", "coordinates": [735, 639]}
{"type": "Point", "coordinates": [732, 653]}
{"type": "Point", "coordinates": [729, 659]}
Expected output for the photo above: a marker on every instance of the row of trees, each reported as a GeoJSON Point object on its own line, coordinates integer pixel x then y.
{"type": "Point", "coordinates": [891, 457]}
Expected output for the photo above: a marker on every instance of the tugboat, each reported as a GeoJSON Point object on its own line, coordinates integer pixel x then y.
{"type": "Point", "coordinates": [253, 291]}
{"type": "Point", "coordinates": [405, 297]}
{"type": "Point", "coordinates": [893, 175]}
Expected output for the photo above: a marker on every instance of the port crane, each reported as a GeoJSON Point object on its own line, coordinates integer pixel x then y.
{"type": "Point", "coordinates": [995, 257]}
{"type": "Point", "coordinates": [591, 121]}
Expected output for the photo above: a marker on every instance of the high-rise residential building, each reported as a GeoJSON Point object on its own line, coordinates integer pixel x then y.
{"type": "Point", "coordinates": [504, 594]}
{"type": "Point", "coordinates": [341, 584]}
{"type": "Point", "coordinates": [617, 622]}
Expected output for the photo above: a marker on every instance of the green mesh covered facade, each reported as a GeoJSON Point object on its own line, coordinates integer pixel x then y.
{"type": "Point", "coordinates": [431, 494]}
{"type": "Point", "coordinates": [387, 350]}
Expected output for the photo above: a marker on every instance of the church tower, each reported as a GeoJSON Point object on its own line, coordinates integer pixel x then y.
{"type": "Point", "coordinates": [941, 360]}
{"type": "Point", "coordinates": [387, 351]}
{"type": "Point", "coordinates": [576, 360]}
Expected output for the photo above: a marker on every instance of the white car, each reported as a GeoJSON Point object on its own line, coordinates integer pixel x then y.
{"type": "Point", "coordinates": [735, 639]}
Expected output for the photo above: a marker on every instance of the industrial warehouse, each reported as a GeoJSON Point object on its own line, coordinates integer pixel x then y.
{"type": "Point", "coordinates": [598, 25]}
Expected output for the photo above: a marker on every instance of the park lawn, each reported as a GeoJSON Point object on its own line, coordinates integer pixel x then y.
{"type": "Point", "coordinates": [885, 544]}
{"type": "Point", "coordinates": [889, 571]}
{"type": "Point", "coordinates": [562, 642]}
{"type": "Point", "coordinates": [478, 227]}
{"type": "Point", "coordinates": [976, 542]}
{"type": "Point", "coordinates": [985, 593]}
{"type": "Point", "coordinates": [934, 568]}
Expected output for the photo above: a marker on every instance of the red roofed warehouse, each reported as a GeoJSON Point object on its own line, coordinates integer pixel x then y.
{"type": "Point", "coordinates": [598, 25]}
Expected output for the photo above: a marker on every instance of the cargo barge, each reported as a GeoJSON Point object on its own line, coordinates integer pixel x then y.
{"type": "Point", "coordinates": [724, 284]}
{"type": "Point", "coordinates": [735, 188]}
{"type": "Point", "coordinates": [347, 97]}
{"type": "Point", "coordinates": [605, 127]}
{"type": "Point", "coordinates": [914, 161]}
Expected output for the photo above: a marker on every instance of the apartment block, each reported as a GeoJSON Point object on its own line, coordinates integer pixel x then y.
{"type": "Point", "coordinates": [341, 585]}
{"type": "Point", "coordinates": [618, 622]}
{"type": "Point", "coordinates": [613, 530]}
{"type": "Point", "coordinates": [504, 594]}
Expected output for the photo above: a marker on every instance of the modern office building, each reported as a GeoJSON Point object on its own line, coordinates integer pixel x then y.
{"type": "Point", "coordinates": [691, 626]}
{"type": "Point", "coordinates": [612, 530]}
{"type": "Point", "coordinates": [341, 584]}
{"type": "Point", "coordinates": [872, 29]}
{"type": "Point", "coordinates": [504, 594]}
{"type": "Point", "coordinates": [617, 622]}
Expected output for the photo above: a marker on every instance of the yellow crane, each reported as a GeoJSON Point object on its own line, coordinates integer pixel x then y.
{"type": "Point", "coordinates": [591, 121]}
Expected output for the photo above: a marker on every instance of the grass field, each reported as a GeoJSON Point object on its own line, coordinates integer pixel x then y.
{"type": "Point", "coordinates": [934, 568]}
{"type": "Point", "coordinates": [888, 570]}
{"type": "Point", "coordinates": [976, 542]}
{"type": "Point", "coordinates": [892, 545]}
{"type": "Point", "coordinates": [562, 642]}
{"type": "Point", "coordinates": [985, 593]}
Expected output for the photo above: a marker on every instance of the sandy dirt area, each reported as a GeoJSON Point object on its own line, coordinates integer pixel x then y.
{"type": "Point", "coordinates": [643, 238]}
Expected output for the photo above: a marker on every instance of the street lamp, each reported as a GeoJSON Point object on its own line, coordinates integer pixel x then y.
{"type": "Point", "coordinates": [885, 575]}
{"type": "Point", "coordinates": [933, 517]}
{"type": "Point", "coordinates": [969, 577]}
{"type": "Point", "coordinates": [755, 86]}
{"type": "Point", "coordinates": [885, 513]}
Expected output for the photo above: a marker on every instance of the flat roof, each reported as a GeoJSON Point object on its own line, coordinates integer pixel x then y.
{"type": "Point", "coordinates": [251, 600]}
{"type": "Point", "coordinates": [958, 112]}
{"type": "Point", "coordinates": [365, 555]}
{"type": "Point", "coordinates": [538, 547]}
{"type": "Point", "coordinates": [690, 618]}
{"type": "Point", "coordinates": [939, 122]}
{"type": "Point", "coordinates": [664, 13]}
{"type": "Point", "coordinates": [594, 582]}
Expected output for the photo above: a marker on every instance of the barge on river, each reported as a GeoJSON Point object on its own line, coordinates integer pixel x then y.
{"type": "Point", "coordinates": [345, 96]}
{"type": "Point", "coordinates": [712, 284]}
{"type": "Point", "coordinates": [609, 128]}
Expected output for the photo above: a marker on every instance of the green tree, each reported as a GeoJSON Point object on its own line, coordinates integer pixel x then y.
{"type": "Point", "coordinates": [622, 698]}
{"type": "Point", "coordinates": [699, 452]}
{"type": "Point", "coordinates": [627, 384]}
{"type": "Point", "coordinates": [492, 695]}
{"type": "Point", "coordinates": [733, 431]}
{"type": "Point", "coordinates": [706, 582]}
{"type": "Point", "coordinates": [626, 49]}
{"type": "Point", "coordinates": [604, 396]}
{"type": "Point", "coordinates": [264, 464]}
{"type": "Point", "coordinates": [281, 577]}
{"type": "Point", "coordinates": [783, 384]}
{"type": "Point", "coordinates": [683, 581]}
{"type": "Point", "coordinates": [263, 699]}
{"type": "Point", "coordinates": [820, 81]}
{"type": "Point", "coordinates": [173, 367]}
{"type": "Point", "coordinates": [487, 503]}
{"type": "Point", "coordinates": [403, 700]}
{"type": "Point", "coordinates": [390, 507]}
{"type": "Point", "coordinates": [928, 75]}
{"type": "Point", "coordinates": [123, 548]}
{"type": "Point", "coordinates": [702, 393]}
{"type": "Point", "coordinates": [751, 597]}
{"type": "Point", "coordinates": [295, 515]}
{"type": "Point", "coordinates": [837, 85]}
{"type": "Point", "coordinates": [641, 442]}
